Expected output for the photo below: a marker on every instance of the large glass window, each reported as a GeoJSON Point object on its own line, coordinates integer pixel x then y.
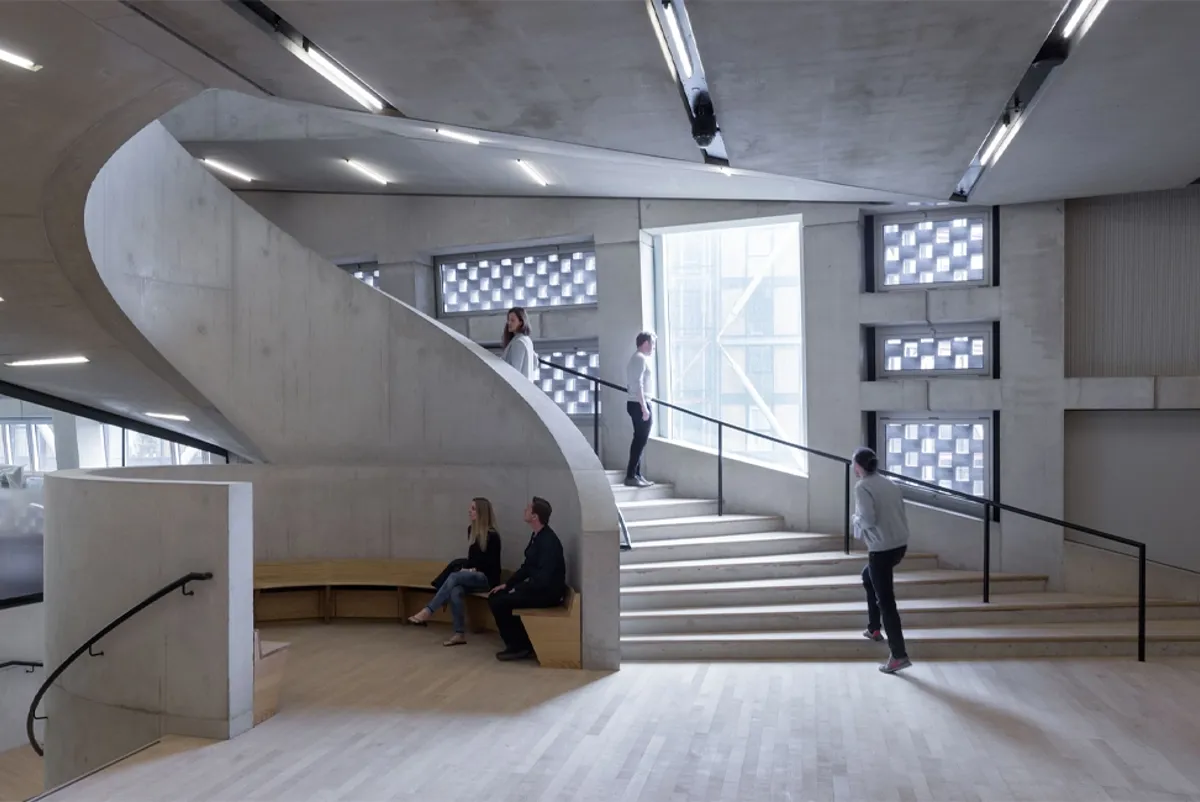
{"type": "Point", "coordinates": [28, 442]}
{"type": "Point", "coordinates": [730, 320]}
{"type": "Point", "coordinates": [949, 351]}
{"type": "Point", "coordinates": [553, 276]}
{"type": "Point", "coordinates": [951, 250]}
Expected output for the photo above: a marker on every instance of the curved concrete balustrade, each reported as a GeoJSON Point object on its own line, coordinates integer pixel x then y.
{"type": "Point", "coordinates": [182, 666]}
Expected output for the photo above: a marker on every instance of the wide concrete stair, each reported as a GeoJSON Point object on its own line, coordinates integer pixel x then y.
{"type": "Point", "coordinates": [702, 586]}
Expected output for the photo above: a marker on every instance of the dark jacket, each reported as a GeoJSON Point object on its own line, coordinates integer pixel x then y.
{"type": "Point", "coordinates": [545, 568]}
{"type": "Point", "coordinates": [487, 561]}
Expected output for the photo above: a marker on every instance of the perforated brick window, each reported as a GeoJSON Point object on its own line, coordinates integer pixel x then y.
{"type": "Point", "coordinates": [951, 452]}
{"type": "Point", "coordinates": [913, 252]}
{"type": "Point", "coordinates": [559, 276]}
{"type": "Point", "coordinates": [951, 351]}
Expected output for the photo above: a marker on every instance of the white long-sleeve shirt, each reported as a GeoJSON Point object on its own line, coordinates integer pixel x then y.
{"type": "Point", "coordinates": [639, 378]}
{"type": "Point", "coordinates": [879, 517]}
{"type": "Point", "coordinates": [520, 354]}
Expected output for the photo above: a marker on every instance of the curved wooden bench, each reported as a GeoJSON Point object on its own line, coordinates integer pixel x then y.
{"type": "Point", "coordinates": [394, 590]}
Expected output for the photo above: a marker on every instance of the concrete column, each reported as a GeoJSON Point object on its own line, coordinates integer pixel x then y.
{"type": "Point", "coordinates": [1031, 437]}
{"type": "Point", "coordinates": [625, 290]}
{"type": "Point", "coordinates": [412, 282]}
{"type": "Point", "coordinates": [182, 666]}
{"type": "Point", "coordinates": [832, 283]}
{"type": "Point", "coordinates": [66, 441]}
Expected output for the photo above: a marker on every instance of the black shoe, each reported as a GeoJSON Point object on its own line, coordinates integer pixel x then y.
{"type": "Point", "coordinates": [509, 655]}
{"type": "Point", "coordinates": [631, 482]}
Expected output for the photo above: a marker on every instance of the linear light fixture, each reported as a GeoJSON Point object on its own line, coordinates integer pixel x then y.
{"type": "Point", "coordinates": [457, 136]}
{"type": "Point", "coordinates": [48, 361]}
{"type": "Point", "coordinates": [662, 39]}
{"type": "Point", "coordinates": [1082, 17]}
{"type": "Point", "coordinates": [999, 141]}
{"type": "Point", "coordinates": [340, 78]}
{"type": "Point", "coordinates": [222, 167]}
{"type": "Point", "coordinates": [367, 171]}
{"type": "Point", "coordinates": [681, 51]}
{"type": "Point", "coordinates": [168, 416]}
{"type": "Point", "coordinates": [532, 172]}
{"type": "Point", "coordinates": [726, 171]}
{"type": "Point", "coordinates": [18, 61]}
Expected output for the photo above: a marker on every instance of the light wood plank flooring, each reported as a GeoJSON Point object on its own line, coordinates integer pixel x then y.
{"type": "Point", "coordinates": [380, 712]}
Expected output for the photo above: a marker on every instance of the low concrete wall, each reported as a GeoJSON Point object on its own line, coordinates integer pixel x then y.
{"type": "Point", "coordinates": [182, 666]}
{"type": "Point", "coordinates": [22, 637]}
{"type": "Point", "coordinates": [1087, 569]}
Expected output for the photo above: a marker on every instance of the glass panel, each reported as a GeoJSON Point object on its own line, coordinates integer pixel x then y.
{"type": "Point", "coordinates": [574, 395]}
{"type": "Point", "coordinates": [502, 280]}
{"type": "Point", "coordinates": [949, 453]}
{"type": "Point", "coordinates": [928, 353]}
{"type": "Point", "coordinates": [732, 339]}
{"type": "Point", "coordinates": [934, 251]}
{"type": "Point", "coordinates": [47, 460]}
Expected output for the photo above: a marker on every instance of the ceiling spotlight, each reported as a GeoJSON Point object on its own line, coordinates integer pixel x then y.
{"type": "Point", "coordinates": [532, 172]}
{"type": "Point", "coordinates": [19, 61]}
{"type": "Point", "coordinates": [1082, 17]}
{"type": "Point", "coordinates": [685, 58]}
{"type": "Point", "coordinates": [168, 416]}
{"type": "Point", "coordinates": [457, 137]}
{"type": "Point", "coordinates": [221, 167]}
{"type": "Point", "coordinates": [367, 171]}
{"type": "Point", "coordinates": [55, 360]}
{"type": "Point", "coordinates": [340, 78]}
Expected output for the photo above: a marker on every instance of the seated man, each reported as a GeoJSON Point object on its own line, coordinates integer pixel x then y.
{"type": "Point", "coordinates": [541, 581]}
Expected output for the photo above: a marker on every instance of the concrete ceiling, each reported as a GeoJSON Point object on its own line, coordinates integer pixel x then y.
{"type": "Point", "coordinates": [894, 95]}
{"type": "Point", "coordinates": [297, 147]}
{"type": "Point", "coordinates": [1118, 116]}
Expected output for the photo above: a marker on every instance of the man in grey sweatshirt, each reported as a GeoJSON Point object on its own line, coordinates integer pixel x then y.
{"type": "Point", "coordinates": [880, 522]}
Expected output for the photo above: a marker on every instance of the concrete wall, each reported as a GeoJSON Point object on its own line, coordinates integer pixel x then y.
{"type": "Point", "coordinates": [22, 637]}
{"type": "Point", "coordinates": [319, 369]}
{"type": "Point", "coordinates": [183, 665]}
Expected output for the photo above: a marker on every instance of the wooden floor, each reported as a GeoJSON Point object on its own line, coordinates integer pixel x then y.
{"type": "Point", "coordinates": [380, 712]}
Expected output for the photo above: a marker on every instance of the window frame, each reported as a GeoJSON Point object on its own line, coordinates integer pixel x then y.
{"type": "Point", "coordinates": [935, 498]}
{"type": "Point", "coordinates": [883, 333]}
{"type": "Point", "coordinates": [940, 215]}
{"type": "Point", "coordinates": [439, 259]}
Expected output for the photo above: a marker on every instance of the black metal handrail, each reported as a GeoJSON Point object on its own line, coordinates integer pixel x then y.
{"type": "Point", "coordinates": [178, 584]}
{"type": "Point", "coordinates": [626, 540]}
{"type": "Point", "coordinates": [987, 504]}
{"type": "Point", "coordinates": [30, 665]}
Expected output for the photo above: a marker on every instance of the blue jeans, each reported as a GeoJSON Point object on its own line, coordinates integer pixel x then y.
{"type": "Point", "coordinates": [456, 587]}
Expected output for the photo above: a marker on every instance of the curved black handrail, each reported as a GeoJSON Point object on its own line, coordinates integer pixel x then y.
{"type": "Point", "coordinates": [986, 503]}
{"type": "Point", "coordinates": [87, 646]}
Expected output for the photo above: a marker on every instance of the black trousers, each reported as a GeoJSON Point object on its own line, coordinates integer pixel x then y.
{"type": "Point", "coordinates": [641, 435]}
{"type": "Point", "coordinates": [512, 631]}
{"type": "Point", "coordinates": [879, 581]}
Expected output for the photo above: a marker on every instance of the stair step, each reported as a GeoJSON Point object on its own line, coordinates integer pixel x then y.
{"type": "Point", "coordinates": [771, 566]}
{"type": "Point", "coordinates": [702, 526]}
{"type": "Point", "coordinates": [1181, 637]}
{"type": "Point", "coordinates": [624, 494]}
{"type": "Point", "coordinates": [1032, 608]}
{"type": "Point", "coordinates": [660, 509]}
{"type": "Point", "coordinates": [717, 546]}
{"type": "Point", "coordinates": [909, 584]}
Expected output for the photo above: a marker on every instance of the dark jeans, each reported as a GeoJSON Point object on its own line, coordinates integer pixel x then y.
{"type": "Point", "coordinates": [512, 631]}
{"type": "Point", "coordinates": [879, 580]}
{"type": "Point", "coordinates": [641, 434]}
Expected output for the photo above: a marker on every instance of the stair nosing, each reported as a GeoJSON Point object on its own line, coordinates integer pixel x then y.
{"type": "Point", "coordinates": [834, 580]}
{"type": "Point", "coordinates": [799, 558]}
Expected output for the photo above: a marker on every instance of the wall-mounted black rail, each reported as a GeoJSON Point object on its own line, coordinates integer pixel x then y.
{"type": "Point", "coordinates": [987, 505]}
{"type": "Point", "coordinates": [30, 665]}
{"type": "Point", "coordinates": [86, 648]}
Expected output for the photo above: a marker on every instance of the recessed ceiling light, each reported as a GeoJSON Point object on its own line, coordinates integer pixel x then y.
{"type": "Point", "coordinates": [367, 171]}
{"type": "Point", "coordinates": [942, 203]}
{"type": "Point", "coordinates": [54, 360]}
{"type": "Point", "coordinates": [457, 136]}
{"type": "Point", "coordinates": [19, 61]}
{"type": "Point", "coordinates": [168, 416]}
{"type": "Point", "coordinates": [340, 78]}
{"type": "Point", "coordinates": [913, 203]}
{"type": "Point", "coordinates": [221, 167]}
{"type": "Point", "coordinates": [532, 172]}
{"type": "Point", "coordinates": [1085, 13]}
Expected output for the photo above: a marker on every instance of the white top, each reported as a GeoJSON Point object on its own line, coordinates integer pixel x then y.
{"type": "Point", "coordinates": [879, 517]}
{"type": "Point", "coordinates": [520, 354]}
{"type": "Point", "coordinates": [639, 378]}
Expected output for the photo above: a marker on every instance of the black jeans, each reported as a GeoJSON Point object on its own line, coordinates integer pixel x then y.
{"type": "Point", "coordinates": [879, 580]}
{"type": "Point", "coordinates": [641, 435]}
{"type": "Point", "coordinates": [512, 631]}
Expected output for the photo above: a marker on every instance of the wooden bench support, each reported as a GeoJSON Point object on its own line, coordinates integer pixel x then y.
{"type": "Point", "coordinates": [270, 661]}
{"type": "Point", "coordinates": [555, 633]}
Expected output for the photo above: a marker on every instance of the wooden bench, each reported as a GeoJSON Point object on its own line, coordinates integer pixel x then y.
{"type": "Point", "coordinates": [270, 660]}
{"type": "Point", "coordinates": [394, 590]}
{"type": "Point", "coordinates": [555, 632]}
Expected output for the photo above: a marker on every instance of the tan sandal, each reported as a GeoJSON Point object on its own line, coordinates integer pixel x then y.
{"type": "Point", "coordinates": [457, 639]}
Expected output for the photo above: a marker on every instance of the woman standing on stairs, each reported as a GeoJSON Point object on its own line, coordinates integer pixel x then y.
{"type": "Point", "coordinates": [881, 523]}
{"type": "Point", "coordinates": [479, 572]}
{"type": "Point", "coordinates": [518, 345]}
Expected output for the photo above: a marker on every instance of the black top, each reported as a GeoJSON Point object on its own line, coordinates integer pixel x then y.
{"type": "Point", "coordinates": [545, 568]}
{"type": "Point", "coordinates": [486, 561]}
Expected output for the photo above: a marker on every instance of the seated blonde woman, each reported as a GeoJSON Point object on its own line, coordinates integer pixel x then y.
{"type": "Point", "coordinates": [479, 571]}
